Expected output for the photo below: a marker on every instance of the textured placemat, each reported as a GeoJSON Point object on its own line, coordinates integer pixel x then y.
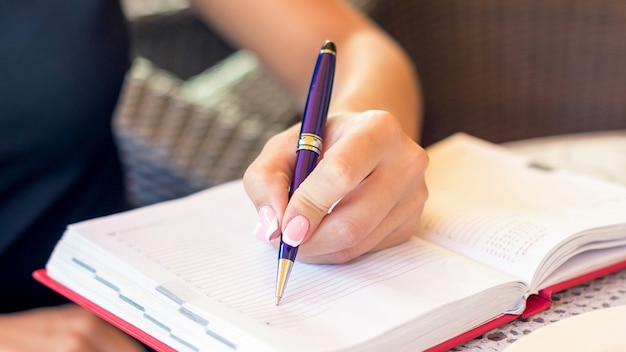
{"type": "Point", "coordinates": [604, 292]}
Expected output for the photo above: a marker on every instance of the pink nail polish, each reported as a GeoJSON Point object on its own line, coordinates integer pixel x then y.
{"type": "Point", "coordinates": [295, 231]}
{"type": "Point", "coordinates": [268, 224]}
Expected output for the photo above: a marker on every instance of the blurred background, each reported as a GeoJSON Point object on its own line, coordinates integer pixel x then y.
{"type": "Point", "coordinates": [195, 111]}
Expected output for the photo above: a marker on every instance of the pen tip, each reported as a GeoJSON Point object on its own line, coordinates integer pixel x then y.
{"type": "Point", "coordinates": [329, 46]}
{"type": "Point", "coordinates": [284, 269]}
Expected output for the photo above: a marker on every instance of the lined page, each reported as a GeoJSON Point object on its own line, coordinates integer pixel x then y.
{"type": "Point", "coordinates": [492, 205]}
{"type": "Point", "coordinates": [224, 278]}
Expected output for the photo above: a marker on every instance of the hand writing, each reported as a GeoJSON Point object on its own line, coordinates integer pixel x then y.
{"type": "Point", "coordinates": [368, 163]}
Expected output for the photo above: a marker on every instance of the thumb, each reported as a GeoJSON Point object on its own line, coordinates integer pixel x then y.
{"type": "Point", "coordinates": [329, 182]}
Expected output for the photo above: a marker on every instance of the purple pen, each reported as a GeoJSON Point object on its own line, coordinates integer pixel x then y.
{"type": "Point", "coordinates": [309, 145]}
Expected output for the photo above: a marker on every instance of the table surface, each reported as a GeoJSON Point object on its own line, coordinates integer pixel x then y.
{"type": "Point", "coordinates": [598, 154]}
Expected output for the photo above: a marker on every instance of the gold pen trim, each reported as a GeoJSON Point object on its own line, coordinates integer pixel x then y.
{"type": "Point", "coordinates": [310, 141]}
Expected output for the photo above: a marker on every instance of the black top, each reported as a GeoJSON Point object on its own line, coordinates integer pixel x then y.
{"type": "Point", "coordinates": [62, 64]}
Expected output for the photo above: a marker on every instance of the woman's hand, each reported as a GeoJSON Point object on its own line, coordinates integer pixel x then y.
{"type": "Point", "coordinates": [369, 165]}
{"type": "Point", "coordinates": [65, 328]}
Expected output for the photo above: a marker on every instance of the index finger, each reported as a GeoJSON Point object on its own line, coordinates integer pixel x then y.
{"type": "Point", "coordinates": [344, 165]}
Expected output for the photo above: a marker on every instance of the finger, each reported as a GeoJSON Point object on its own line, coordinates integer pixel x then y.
{"type": "Point", "coordinates": [64, 328]}
{"type": "Point", "coordinates": [393, 238]}
{"type": "Point", "coordinates": [338, 173]}
{"type": "Point", "coordinates": [110, 339]}
{"type": "Point", "coordinates": [400, 224]}
{"type": "Point", "coordinates": [354, 218]}
{"type": "Point", "coordinates": [97, 333]}
{"type": "Point", "coordinates": [267, 180]}
{"type": "Point", "coordinates": [369, 219]}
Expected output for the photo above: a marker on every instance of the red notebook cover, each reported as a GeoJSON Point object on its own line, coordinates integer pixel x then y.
{"type": "Point", "coordinates": [534, 305]}
{"type": "Point", "coordinates": [42, 276]}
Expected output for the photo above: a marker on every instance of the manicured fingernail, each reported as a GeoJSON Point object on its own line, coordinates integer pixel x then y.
{"type": "Point", "coordinates": [268, 224]}
{"type": "Point", "coordinates": [295, 231]}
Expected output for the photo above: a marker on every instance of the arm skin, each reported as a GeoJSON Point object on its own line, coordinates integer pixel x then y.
{"type": "Point", "coordinates": [66, 328]}
{"type": "Point", "coordinates": [373, 72]}
{"type": "Point", "coordinates": [371, 159]}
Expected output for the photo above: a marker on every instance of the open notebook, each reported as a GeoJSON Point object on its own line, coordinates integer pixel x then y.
{"type": "Point", "coordinates": [499, 235]}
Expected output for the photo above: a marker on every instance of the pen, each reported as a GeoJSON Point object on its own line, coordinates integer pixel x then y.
{"type": "Point", "coordinates": [309, 146]}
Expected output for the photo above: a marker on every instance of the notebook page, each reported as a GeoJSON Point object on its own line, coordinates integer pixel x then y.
{"type": "Point", "coordinates": [212, 265]}
{"type": "Point", "coordinates": [490, 204]}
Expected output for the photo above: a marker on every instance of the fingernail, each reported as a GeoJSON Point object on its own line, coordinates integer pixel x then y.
{"type": "Point", "coordinates": [268, 224]}
{"type": "Point", "coordinates": [295, 231]}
